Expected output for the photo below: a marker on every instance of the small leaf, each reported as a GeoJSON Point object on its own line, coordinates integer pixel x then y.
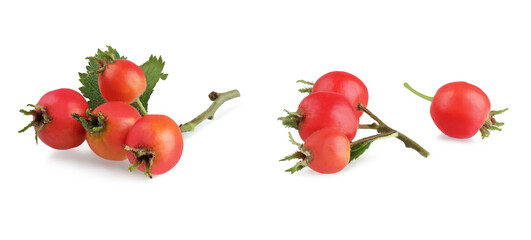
{"type": "Point", "coordinates": [153, 71]}
{"type": "Point", "coordinates": [357, 150]}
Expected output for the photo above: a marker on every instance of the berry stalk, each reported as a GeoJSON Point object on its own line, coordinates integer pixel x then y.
{"type": "Point", "coordinates": [386, 131]}
{"type": "Point", "coordinates": [218, 99]}
{"type": "Point", "coordinates": [417, 93]}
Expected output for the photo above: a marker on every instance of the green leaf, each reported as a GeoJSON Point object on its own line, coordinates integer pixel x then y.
{"type": "Point", "coordinates": [153, 71]}
{"type": "Point", "coordinates": [357, 150]}
{"type": "Point", "coordinates": [89, 80]}
{"type": "Point", "coordinates": [360, 146]}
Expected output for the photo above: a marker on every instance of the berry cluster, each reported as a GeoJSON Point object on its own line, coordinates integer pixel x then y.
{"type": "Point", "coordinates": [114, 130]}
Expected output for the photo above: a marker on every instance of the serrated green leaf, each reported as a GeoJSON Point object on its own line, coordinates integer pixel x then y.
{"type": "Point", "coordinates": [89, 80]}
{"type": "Point", "coordinates": [153, 71]}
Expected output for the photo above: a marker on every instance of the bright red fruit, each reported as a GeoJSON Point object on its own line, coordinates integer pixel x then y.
{"type": "Point", "coordinates": [460, 110]}
{"type": "Point", "coordinates": [107, 127]}
{"type": "Point", "coordinates": [327, 110]}
{"type": "Point", "coordinates": [329, 151]}
{"type": "Point", "coordinates": [52, 118]}
{"type": "Point", "coordinates": [154, 144]}
{"type": "Point", "coordinates": [345, 84]}
{"type": "Point", "coordinates": [122, 81]}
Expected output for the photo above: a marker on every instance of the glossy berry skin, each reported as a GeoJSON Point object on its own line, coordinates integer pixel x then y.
{"type": "Point", "coordinates": [327, 110]}
{"type": "Point", "coordinates": [345, 84]}
{"type": "Point", "coordinates": [122, 81]}
{"type": "Point", "coordinates": [160, 135]}
{"type": "Point", "coordinates": [329, 151]}
{"type": "Point", "coordinates": [63, 131]}
{"type": "Point", "coordinates": [459, 109]}
{"type": "Point", "coordinates": [109, 143]}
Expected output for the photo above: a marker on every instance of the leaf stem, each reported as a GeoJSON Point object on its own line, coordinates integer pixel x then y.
{"type": "Point", "coordinates": [143, 110]}
{"type": "Point", "coordinates": [417, 93]}
{"type": "Point", "coordinates": [218, 99]}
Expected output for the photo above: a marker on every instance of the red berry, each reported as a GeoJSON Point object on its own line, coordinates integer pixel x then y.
{"type": "Point", "coordinates": [154, 144]}
{"type": "Point", "coordinates": [345, 84]}
{"type": "Point", "coordinates": [52, 118]}
{"type": "Point", "coordinates": [122, 81]}
{"type": "Point", "coordinates": [327, 110]}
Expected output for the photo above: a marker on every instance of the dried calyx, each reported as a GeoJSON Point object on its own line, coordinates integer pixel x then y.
{"type": "Point", "coordinates": [40, 119]}
{"type": "Point", "coordinates": [93, 123]}
{"type": "Point", "coordinates": [303, 153]}
{"type": "Point", "coordinates": [142, 156]}
{"type": "Point", "coordinates": [491, 123]}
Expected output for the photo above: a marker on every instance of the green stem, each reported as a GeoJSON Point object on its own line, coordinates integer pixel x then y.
{"type": "Point", "coordinates": [368, 126]}
{"type": "Point", "coordinates": [218, 99]}
{"type": "Point", "coordinates": [417, 93]}
{"type": "Point", "coordinates": [143, 110]}
{"type": "Point", "coordinates": [381, 127]}
{"type": "Point", "coordinates": [365, 110]}
{"type": "Point", "coordinates": [357, 148]}
{"type": "Point", "coordinates": [373, 138]}
{"type": "Point", "coordinates": [413, 145]}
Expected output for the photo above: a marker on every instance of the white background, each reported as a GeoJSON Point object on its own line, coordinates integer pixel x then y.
{"type": "Point", "coordinates": [228, 183]}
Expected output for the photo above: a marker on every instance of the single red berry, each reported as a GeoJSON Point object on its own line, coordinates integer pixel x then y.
{"type": "Point", "coordinates": [345, 84]}
{"type": "Point", "coordinates": [107, 127]}
{"type": "Point", "coordinates": [323, 110]}
{"type": "Point", "coordinates": [460, 110]}
{"type": "Point", "coordinates": [122, 80]}
{"type": "Point", "coordinates": [325, 151]}
{"type": "Point", "coordinates": [154, 144]}
{"type": "Point", "coordinates": [52, 118]}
